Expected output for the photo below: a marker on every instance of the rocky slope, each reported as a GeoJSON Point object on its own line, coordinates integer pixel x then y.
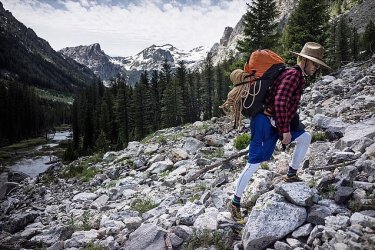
{"type": "Point", "coordinates": [139, 197]}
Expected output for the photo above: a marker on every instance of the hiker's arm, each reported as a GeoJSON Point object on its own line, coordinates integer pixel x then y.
{"type": "Point", "coordinates": [282, 100]}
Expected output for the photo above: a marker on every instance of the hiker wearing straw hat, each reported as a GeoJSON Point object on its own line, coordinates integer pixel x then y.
{"type": "Point", "coordinates": [280, 121]}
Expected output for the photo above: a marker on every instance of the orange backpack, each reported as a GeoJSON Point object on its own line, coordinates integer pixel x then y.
{"type": "Point", "coordinates": [251, 84]}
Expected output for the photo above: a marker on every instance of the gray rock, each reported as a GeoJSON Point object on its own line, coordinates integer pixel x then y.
{"type": "Point", "coordinates": [332, 125]}
{"type": "Point", "coordinates": [303, 231]}
{"type": "Point", "coordinates": [189, 213]}
{"type": "Point", "coordinates": [84, 197]}
{"type": "Point", "coordinates": [354, 133]}
{"type": "Point", "coordinates": [110, 156]}
{"type": "Point", "coordinates": [294, 243]}
{"type": "Point", "coordinates": [192, 145]}
{"type": "Point", "coordinates": [363, 220]}
{"type": "Point", "coordinates": [317, 214]}
{"type": "Point", "coordinates": [150, 149]}
{"type": "Point", "coordinates": [346, 176]}
{"type": "Point", "coordinates": [81, 238]}
{"type": "Point", "coordinates": [18, 222]}
{"type": "Point", "coordinates": [337, 222]}
{"type": "Point", "coordinates": [297, 193]}
{"type": "Point", "coordinates": [148, 237]}
{"type": "Point", "coordinates": [271, 219]}
{"type": "Point", "coordinates": [219, 199]}
{"type": "Point", "coordinates": [207, 220]}
{"type": "Point", "coordinates": [343, 194]}
{"type": "Point", "coordinates": [160, 166]}
{"type": "Point", "coordinates": [54, 234]}
{"type": "Point", "coordinates": [279, 245]}
{"type": "Point", "coordinates": [182, 231]}
{"type": "Point", "coordinates": [132, 223]}
{"type": "Point", "coordinates": [99, 202]}
{"type": "Point", "coordinates": [317, 232]}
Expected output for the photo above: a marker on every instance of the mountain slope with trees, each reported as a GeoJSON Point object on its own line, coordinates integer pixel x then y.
{"type": "Point", "coordinates": [31, 60]}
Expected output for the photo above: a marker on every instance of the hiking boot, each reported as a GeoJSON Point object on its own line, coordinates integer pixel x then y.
{"type": "Point", "coordinates": [292, 178]}
{"type": "Point", "coordinates": [235, 213]}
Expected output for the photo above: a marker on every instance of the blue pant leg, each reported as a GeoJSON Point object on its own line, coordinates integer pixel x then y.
{"type": "Point", "coordinates": [264, 138]}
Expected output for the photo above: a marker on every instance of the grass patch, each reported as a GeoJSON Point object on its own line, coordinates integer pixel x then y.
{"type": "Point", "coordinates": [318, 136]}
{"type": "Point", "coordinates": [24, 144]}
{"type": "Point", "coordinates": [242, 141]}
{"type": "Point", "coordinates": [354, 206]}
{"type": "Point", "coordinates": [194, 197]}
{"type": "Point", "coordinates": [217, 153]}
{"type": "Point", "coordinates": [92, 246]}
{"type": "Point", "coordinates": [143, 205]}
{"type": "Point", "coordinates": [206, 239]}
{"type": "Point", "coordinates": [54, 96]}
{"type": "Point", "coordinates": [265, 166]}
{"type": "Point", "coordinates": [82, 169]}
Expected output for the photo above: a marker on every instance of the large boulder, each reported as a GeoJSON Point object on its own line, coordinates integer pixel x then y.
{"type": "Point", "coordinates": [356, 133]}
{"type": "Point", "coordinates": [297, 193]}
{"type": "Point", "coordinates": [147, 237]}
{"type": "Point", "coordinates": [271, 219]}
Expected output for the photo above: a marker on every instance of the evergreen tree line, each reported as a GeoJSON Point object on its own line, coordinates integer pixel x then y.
{"type": "Point", "coordinates": [106, 119]}
{"type": "Point", "coordinates": [25, 115]}
{"type": "Point", "coordinates": [310, 21]}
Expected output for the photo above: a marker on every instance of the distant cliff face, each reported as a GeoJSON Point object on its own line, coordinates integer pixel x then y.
{"type": "Point", "coordinates": [94, 58]}
{"type": "Point", "coordinates": [359, 16]}
{"type": "Point", "coordinates": [30, 59]}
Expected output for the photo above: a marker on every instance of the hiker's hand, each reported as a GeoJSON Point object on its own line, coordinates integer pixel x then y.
{"type": "Point", "coordinates": [287, 137]}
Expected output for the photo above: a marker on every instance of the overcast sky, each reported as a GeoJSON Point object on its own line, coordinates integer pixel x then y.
{"type": "Point", "coordinates": [124, 28]}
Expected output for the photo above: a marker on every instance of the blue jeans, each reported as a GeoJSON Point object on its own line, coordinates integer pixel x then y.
{"type": "Point", "coordinates": [264, 139]}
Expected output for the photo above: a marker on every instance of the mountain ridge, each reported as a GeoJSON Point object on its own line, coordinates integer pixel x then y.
{"type": "Point", "coordinates": [30, 59]}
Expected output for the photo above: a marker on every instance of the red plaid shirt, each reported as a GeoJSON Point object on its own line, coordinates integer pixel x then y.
{"type": "Point", "coordinates": [283, 99]}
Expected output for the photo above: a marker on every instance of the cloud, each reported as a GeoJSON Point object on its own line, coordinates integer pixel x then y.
{"type": "Point", "coordinates": [124, 30]}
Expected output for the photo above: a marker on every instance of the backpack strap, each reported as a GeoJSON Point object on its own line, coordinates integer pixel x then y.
{"type": "Point", "coordinates": [249, 76]}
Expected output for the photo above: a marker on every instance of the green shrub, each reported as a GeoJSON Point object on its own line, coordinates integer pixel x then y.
{"type": "Point", "coordinates": [318, 136]}
{"type": "Point", "coordinates": [206, 239]}
{"type": "Point", "coordinates": [142, 205]}
{"type": "Point", "coordinates": [242, 141]}
{"type": "Point", "coordinates": [264, 166]}
{"type": "Point", "coordinates": [92, 246]}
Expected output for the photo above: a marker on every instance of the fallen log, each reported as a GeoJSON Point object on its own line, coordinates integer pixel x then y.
{"type": "Point", "coordinates": [214, 165]}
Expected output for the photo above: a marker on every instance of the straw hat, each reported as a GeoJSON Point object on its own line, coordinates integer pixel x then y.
{"type": "Point", "coordinates": [314, 52]}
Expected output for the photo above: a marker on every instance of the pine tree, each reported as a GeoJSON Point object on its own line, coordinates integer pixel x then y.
{"type": "Point", "coordinates": [183, 87]}
{"type": "Point", "coordinates": [142, 107]}
{"type": "Point", "coordinates": [342, 42]}
{"type": "Point", "coordinates": [369, 38]}
{"type": "Point", "coordinates": [155, 100]}
{"type": "Point", "coordinates": [354, 44]}
{"type": "Point", "coordinates": [307, 23]}
{"type": "Point", "coordinates": [88, 136]}
{"type": "Point", "coordinates": [75, 124]}
{"type": "Point", "coordinates": [260, 26]}
{"type": "Point", "coordinates": [208, 87]}
{"type": "Point", "coordinates": [122, 112]}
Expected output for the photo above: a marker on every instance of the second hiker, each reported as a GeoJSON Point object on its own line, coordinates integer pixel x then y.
{"type": "Point", "coordinates": [280, 121]}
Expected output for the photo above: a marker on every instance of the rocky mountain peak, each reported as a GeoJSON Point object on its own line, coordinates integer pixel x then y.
{"type": "Point", "coordinates": [225, 38]}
